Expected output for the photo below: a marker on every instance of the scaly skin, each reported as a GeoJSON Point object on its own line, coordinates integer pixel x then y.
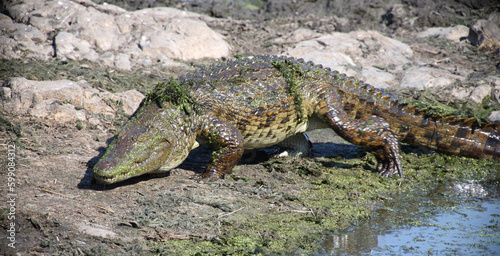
{"type": "Point", "coordinates": [262, 101]}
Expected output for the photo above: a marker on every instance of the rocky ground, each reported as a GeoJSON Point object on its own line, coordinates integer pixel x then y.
{"type": "Point", "coordinates": [72, 71]}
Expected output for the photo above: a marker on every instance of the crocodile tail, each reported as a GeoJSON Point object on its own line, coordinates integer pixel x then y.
{"type": "Point", "coordinates": [449, 134]}
{"type": "Point", "coordinates": [416, 127]}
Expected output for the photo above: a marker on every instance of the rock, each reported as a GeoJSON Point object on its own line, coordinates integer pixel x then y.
{"type": "Point", "coordinates": [426, 77]}
{"type": "Point", "coordinates": [365, 48]}
{"type": "Point", "coordinates": [183, 39]}
{"type": "Point", "coordinates": [496, 88]}
{"type": "Point", "coordinates": [461, 93]}
{"type": "Point", "coordinates": [122, 62]}
{"type": "Point", "coordinates": [347, 52]}
{"type": "Point", "coordinates": [480, 92]}
{"type": "Point", "coordinates": [108, 59]}
{"type": "Point", "coordinates": [21, 94]}
{"type": "Point", "coordinates": [64, 101]}
{"type": "Point", "coordinates": [109, 103]}
{"type": "Point", "coordinates": [69, 46]}
{"type": "Point", "coordinates": [93, 32]}
{"type": "Point", "coordinates": [494, 116]}
{"type": "Point", "coordinates": [4, 19]}
{"type": "Point", "coordinates": [95, 231]}
{"type": "Point", "coordinates": [23, 41]}
{"type": "Point", "coordinates": [310, 51]}
{"type": "Point", "coordinates": [456, 33]}
{"type": "Point", "coordinates": [57, 112]}
{"type": "Point", "coordinates": [485, 34]}
{"type": "Point", "coordinates": [377, 77]}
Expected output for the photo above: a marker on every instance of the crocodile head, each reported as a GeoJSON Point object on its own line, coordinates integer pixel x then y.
{"type": "Point", "coordinates": [149, 140]}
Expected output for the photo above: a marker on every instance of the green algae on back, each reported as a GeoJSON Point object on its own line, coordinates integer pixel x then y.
{"type": "Point", "coordinates": [175, 93]}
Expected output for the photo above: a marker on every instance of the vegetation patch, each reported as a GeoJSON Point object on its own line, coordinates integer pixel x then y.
{"type": "Point", "coordinates": [175, 93]}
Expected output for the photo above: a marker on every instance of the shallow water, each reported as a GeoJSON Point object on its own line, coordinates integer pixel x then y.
{"type": "Point", "coordinates": [456, 219]}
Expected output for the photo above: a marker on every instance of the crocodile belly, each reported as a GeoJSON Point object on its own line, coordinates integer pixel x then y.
{"type": "Point", "coordinates": [267, 126]}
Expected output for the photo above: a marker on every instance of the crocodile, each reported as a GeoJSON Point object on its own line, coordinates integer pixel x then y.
{"type": "Point", "coordinates": [261, 101]}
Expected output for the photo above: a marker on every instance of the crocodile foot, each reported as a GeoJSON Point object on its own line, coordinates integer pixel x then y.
{"type": "Point", "coordinates": [388, 158]}
{"type": "Point", "coordinates": [207, 176]}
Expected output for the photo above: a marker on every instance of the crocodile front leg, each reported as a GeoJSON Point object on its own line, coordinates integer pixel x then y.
{"type": "Point", "coordinates": [373, 132]}
{"type": "Point", "coordinates": [228, 144]}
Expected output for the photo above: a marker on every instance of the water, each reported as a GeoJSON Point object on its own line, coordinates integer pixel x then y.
{"type": "Point", "coordinates": [457, 219]}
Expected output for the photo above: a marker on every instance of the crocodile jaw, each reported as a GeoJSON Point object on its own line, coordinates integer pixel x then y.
{"type": "Point", "coordinates": [147, 142]}
{"type": "Point", "coordinates": [114, 167]}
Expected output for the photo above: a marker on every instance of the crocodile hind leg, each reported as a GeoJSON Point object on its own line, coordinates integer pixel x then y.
{"type": "Point", "coordinates": [371, 131]}
{"type": "Point", "coordinates": [228, 144]}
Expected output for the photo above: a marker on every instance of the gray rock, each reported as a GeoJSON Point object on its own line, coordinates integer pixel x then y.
{"type": "Point", "coordinates": [22, 94]}
{"type": "Point", "coordinates": [485, 34]}
{"type": "Point", "coordinates": [377, 77]}
{"type": "Point", "coordinates": [4, 19]}
{"type": "Point", "coordinates": [122, 62]}
{"type": "Point", "coordinates": [64, 101]}
{"type": "Point", "coordinates": [481, 92]}
{"type": "Point", "coordinates": [311, 50]}
{"type": "Point", "coordinates": [108, 59]}
{"type": "Point", "coordinates": [68, 46]}
{"type": "Point", "coordinates": [55, 111]}
{"type": "Point", "coordinates": [97, 231]}
{"type": "Point", "coordinates": [461, 93]}
{"type": "Point", "coordinates": [23, 41]}
{"type": "Point", "coordinates": [456, 33]}
{"type": "Point", "coordinates": [426, 77]}
{"type": "Point", "coordinates": [88, 29]}
{"type": "Point", "coordinates": [365, 48]}
{"type": "Point", "coordinates": [484, 88]}
{"type": "Point", "coordinates": [183, 39]}
{"type": "Point", "coordinates": [358, 50]}
{"type": "Point", "coordinates": [494, 116]}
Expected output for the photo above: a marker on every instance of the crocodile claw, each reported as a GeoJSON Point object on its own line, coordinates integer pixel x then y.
{"type": "Point", "coordinates": [208, 176]}
{"type": "Point", "coordinates": [388, 158]}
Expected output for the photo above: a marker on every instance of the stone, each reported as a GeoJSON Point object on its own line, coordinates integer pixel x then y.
{"type": "Point", "coordinates": [425, 77]}
{"type": "Point", "coordinates": [461, 93]}
{"type": "Point", "coordinates": [26, 93]}
{"type": "Point", "coordinates": [377, 77]}
{"type": "Point", "coordinates": [485, 34]}
{"type": "Point", "coordinates": [480, 92]}
{"type": "Point", "coordinates": [309, 51]}
{"type": "Point", "coordinates": [494, 116]}
{"type": "Point", "coordinates": [182, 39]}
{"type": "Point", "coordinates": [122, 62]}
{"type": "Point", "coordinates": [350, 52]}
{"type": "Point", "coordinates": [19, 41]}
{"type": "Point", "coordinates": [63, 100]}
{"type": "Point", "coordinates": [57, 112]}
{"type": "Point", "coordinates": [68, 46]}
{"type": "Point", "coordinates": [107, 59]}
{"type": "Point", "coordinates": [97, 231]}
{"type": "Point", "coordinates": [455, 33]}
{"type": "Point", "coordinates": [107, 34]}
{"type": "Point", "coordinates": [100, 30]}
{"type": "Point", "coordinates": [4, 19]}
